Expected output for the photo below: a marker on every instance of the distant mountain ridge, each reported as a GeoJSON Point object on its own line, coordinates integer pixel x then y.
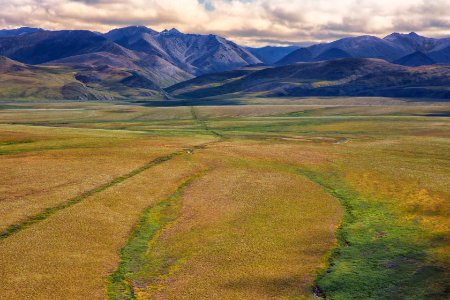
{"type": "Point", "coordinates": [18, 31]}
{"type": "Point", "coordinates": [392, 48]}
{"type": "Point", "coordinates": [415, 59]}
{"type": "Point", "coordinates": [46, 46]}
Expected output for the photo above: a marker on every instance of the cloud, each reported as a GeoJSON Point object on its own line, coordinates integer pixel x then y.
{"type": "Point", "coordinates": [249, 22]}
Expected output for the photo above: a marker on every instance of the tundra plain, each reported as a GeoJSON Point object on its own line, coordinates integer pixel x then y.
{"type": "Point", "coordinates": [336, 198]}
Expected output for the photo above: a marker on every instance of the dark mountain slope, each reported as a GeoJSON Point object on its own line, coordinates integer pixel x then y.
{"type": "Point", "coordinates": [18, 31]}
{"type": "Point", "coordinates": [362, 47]}
{"type": "Point", "coordinates": [299, 55]}
{"type": "Point", "coordinates": [155, 68]}
{"type": "Point", "coordinates": [359, 47]}
{"type": "Point", "coordinates": [332, 54]}
{"type": "Point", "coordinates": [138, 38]}
{"type": "Point", "coordinates": [125, 35]}
{"type": "Point", "coordinates": [441, 56]}
{"type": "Point", "coordinates": [344, 77]}
{"type": "Point", "coordinates": [45, 46]}
{"type": "Point", "coordinates": [412, 42]}
{"type": "Point", "coordinates": [415, 59]}
{"type": "Point", "coordinates": [206, 81]}
{"type": "Point", "coordinates": [271, 54]}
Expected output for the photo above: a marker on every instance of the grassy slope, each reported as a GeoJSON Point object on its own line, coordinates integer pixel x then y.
{"type": "Point", "coordinates": [40, 83]}
{"type": "Point", "coordinates": [28, 82]}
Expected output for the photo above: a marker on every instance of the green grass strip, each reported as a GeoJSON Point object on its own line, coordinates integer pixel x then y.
{"type": "Point", "coordinates": [47, 212]}
{"type": "Point", "coordinates": [204, 125]}
{"type": "Point", "coordinates": [379, 255]}
{"type": "Point", "coordinates": [136, 267]}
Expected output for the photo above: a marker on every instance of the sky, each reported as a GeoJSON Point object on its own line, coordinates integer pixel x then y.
{"type": "Point", "coordinates": [248, 22]}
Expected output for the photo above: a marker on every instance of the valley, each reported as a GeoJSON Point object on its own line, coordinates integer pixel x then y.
{"type": "Point", "coordinates": [261, 198]}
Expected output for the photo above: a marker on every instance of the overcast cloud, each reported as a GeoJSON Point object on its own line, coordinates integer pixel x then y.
{"type": "Point", "coordinates": [249, 22]}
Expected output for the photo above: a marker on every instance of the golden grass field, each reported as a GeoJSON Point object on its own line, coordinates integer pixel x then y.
{"type": "Point", "coordinates": [293, 199]}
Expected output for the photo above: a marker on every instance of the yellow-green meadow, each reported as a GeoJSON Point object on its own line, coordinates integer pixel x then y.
{"type": "Point", "coordinates": [262, 199]}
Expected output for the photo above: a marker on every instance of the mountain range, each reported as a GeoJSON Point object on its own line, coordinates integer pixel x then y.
{"type": "Point", "coordinates": [139, 62]}
{"type": "Point", "coordinates": [395, 47]}
{"type": "Point", "coordinates": [162, 58]}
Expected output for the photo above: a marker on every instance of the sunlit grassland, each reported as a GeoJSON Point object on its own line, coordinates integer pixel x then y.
{"type": "Point", "coordinates": [302, 195]}
{"type": "Point", "coordinates": [43, 166]}
{"type": "Point", "coordinates": [392, 175]}
{"type": "Point", "coordinates": [69, 255]}
{"type": "Point", "coordinates": [394, 240]}
{"type": "Point", "coordinates": [239, 236]}
{"type": "Point", "coordinates": [393, 181]}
